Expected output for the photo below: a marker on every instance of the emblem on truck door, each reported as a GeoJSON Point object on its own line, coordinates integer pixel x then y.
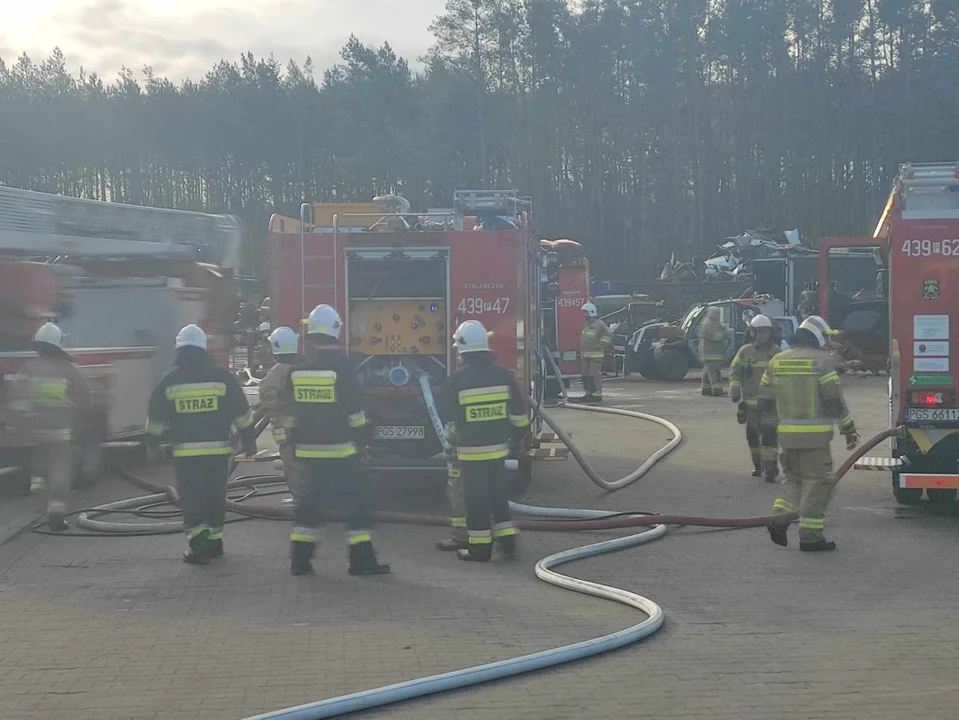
{"type": "Point", "coordinates": [930, 289]}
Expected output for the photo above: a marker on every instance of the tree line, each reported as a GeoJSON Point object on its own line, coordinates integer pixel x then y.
{"type": "Point", "coordinates": [639, 127]}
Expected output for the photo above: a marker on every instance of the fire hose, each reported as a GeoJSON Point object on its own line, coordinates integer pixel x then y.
{"type": "Point", "coordinates": [538, 518]}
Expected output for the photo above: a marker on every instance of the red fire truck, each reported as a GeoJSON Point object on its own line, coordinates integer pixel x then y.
{"type": "Point", "coordinates": [564, 289]}
{"type": "Point", "coordinates": [120, 280]}
{"type": "Point", "coordinates": [402, 282]}
{"type": "Point", "coordinates": [917, 238]}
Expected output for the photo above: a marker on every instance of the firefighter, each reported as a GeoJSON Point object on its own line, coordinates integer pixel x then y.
{"type": "Point", "coordinates": [803, 386]}
{"type": "Point", "coordinates": [484, 411]}
{"type": "Point", "coordinates": [329, 427]}
{"type": "Point", "coordinates": [196, 403]}
{"type": "Point", "coordinates": [593, 343]}
{"type": "Point", "coordinates": [712, 349]}
{"type": "Point", "coordinates": [263, 352]}
{"type": "Point", "coordinates": [747, 371]}
{"type": "Point", "coordinates": [55, 398]}
{"type": "Point", "coordinates": [273, 396]}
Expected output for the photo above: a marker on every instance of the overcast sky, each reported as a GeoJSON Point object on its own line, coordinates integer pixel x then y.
{"type": "Point", "coordinates": [181, 38]}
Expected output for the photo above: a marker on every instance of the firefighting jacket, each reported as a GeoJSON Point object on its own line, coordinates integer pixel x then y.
{"type": "Point", "coordinates": [803, 385]}
{"type": "Point", "coordinates": [328, 417]}
{"type": "Point", "coordinates": [196, 403]}
{"type": "Point", "coordinates": [712, 341]}
{"type": "Point", "coordinates": [595, 340]}
{"type": "Point", "coordinates": [52, 394]}
{"type": "Point", "coordinates": [747, 371]}
{"type": "Point", "coordinates": [483, 409]}
{"type": "Point", "coordinates": [275, 397]}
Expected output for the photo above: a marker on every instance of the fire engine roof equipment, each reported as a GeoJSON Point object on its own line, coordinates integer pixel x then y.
{"type": "Point", "coordinates": [34, 224]}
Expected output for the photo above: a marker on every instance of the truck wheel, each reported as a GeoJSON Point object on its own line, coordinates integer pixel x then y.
{"type": "Point", "coordinates": [906, 496]}
{"type": "Point", "coordinates": [941, 496]}
{"type": "Point", "coordinates": [522, 478]}
{"type": "Point", "coordinates": [671, 365]}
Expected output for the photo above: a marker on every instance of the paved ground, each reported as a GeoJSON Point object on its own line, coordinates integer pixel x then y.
{"type": "Point", "coordinates": [106, 628]}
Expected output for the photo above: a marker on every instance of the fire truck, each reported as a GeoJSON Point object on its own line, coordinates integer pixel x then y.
{"type": "Point", "coordinates": [120, 280]}
{"type": "Point", "coordinates": [564, 289]}
{"type": "Point", "coordinates": [917, 238]}
{"type": "Point", "coordinates": [402, 282]}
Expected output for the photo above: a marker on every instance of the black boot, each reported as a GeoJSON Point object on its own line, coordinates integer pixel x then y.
{"type": "Point", "coordinates": [771, 476]}
{"type": "Point", "coordinates": [820, 545]}
{"type": "Point", "coordinates": [199, 552]}
{"type": "Point", "coordinates": [777, 533]}
{"type": "Point", "coordinates": [215, 548]}
{"type": "Point", "coordinates": [450, 544]}
{"type": "Point", "coordinates": [707, 392]}
{"type": "Point", "coordinates": [757, 471]}
{"type": "Point", "coordinates": [507, 546]}
{"type": "Point", "coordinates": [300, 555]}
{"type": "Point", "coordinates": [476, 553]}
{"type": "Point", "coordinates": [363, 560]}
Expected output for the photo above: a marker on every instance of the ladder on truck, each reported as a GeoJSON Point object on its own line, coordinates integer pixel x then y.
{"type": "Point", "coordinates": [35, 224]}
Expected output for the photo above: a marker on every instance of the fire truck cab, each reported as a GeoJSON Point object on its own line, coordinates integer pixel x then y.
{"type": "Point", "coordinates": [120, 280]}
{"type": "Point", "coordinates": [402, 282]}
{"type": "Point", "coordinates": [917, 237]}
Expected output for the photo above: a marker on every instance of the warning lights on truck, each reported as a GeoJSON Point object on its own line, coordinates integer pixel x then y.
{"type": "Point", "coordinates": [925, 398]}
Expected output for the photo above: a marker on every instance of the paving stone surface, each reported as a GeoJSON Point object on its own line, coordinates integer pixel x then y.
{"type": "Point", "coordinates": [102, 628]}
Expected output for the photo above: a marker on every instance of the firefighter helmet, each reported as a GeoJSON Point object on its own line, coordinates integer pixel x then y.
{"type": "Point", "coordinates": [818, 327]}
{"type": "Point", "coordinates": [191, 336]}
{"type": "Point", "coordinates": [283, 341]}
{"type": "Point", "coordinates": [471, 337]}
{"type": "Point", "coordinates": [590, 310]}
{"type": "Point", "coordinates": [760, 321]}
{"type": "Point", "coordinates": [50, 334]}
{"type": "Point", "coordinates": [324, 320]}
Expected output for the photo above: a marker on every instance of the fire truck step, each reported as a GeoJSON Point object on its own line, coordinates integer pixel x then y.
{"type": "Point", "coordinates": [881, 463]}
{"type": "Point", "coordinates": [554, 452]}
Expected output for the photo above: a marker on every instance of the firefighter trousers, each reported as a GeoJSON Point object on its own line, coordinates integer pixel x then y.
{"type": "Point", "coordinates": [486, 488]}
{"type": "Point", "coordinates": [340, 482]}
{"type": "Point", "coordinates": [761, 438]}
{"type": "Point", "coordinates": [712, 378]}
{"type": "Point", "coordinates": [53, 461]}
{"type": "Point", "coordinates": [201, 482]}
{"type": "Point", "coordinates": [457, 502]}
{"type": "Point", "coordinates": [292, 470]}
{"type": "Point", "coordinates": [592, 369]}
{"type": "Point", "coordinates": [806, 488]}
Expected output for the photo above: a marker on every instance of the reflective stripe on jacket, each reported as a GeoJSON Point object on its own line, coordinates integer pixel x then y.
{"type": "Point", "coordinates": [483, 408]}
{"type": "Point", "coordinates": [746, 371]}
{"type": "Point", "coordinates": [197, 402]}
{"type": "Point", "coordinates": [712, 341]}
{"type": "Point", "coordinates": [594, 340]}
{"type": "Point", "coordinates": [53, 393]}
{"type": "Point", "coordinates": [327, 406]}
{"type": "Point", "coordinates": [804, 385]}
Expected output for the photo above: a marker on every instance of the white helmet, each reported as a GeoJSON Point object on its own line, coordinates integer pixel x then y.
{"type": "Point", "coordinates": [283, 341]}
{"type": "Point", "coordinates": [760, 321]}
{"type": "Point", "coordinates": [50, 334]}
{"type": "Point", "coordinates": [818, 327]}
{"type": "Point", "coordinates": [191, 336]}
{"type": "Point", "coordinates": [470, 337]}
{"type": "Point", "coordinates": [590, 310]}
{"type": "Point", "coordinates": [324, 320]}
{"type": "Point", "coordinates": [264, 327]}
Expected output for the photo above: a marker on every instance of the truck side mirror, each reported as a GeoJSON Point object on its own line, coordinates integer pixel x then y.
{"type": "Point", "coordinates": [552, 292]}
{"type": "Point", "coordinates": [552, 267]}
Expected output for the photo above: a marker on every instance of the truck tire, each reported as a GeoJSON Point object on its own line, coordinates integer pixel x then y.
{"type": "Point", "coordinates": [671, 365]}
{"type": "Point", "coordinates": [905, 496]}
{"type": "Point", "coordinates": [941, 496]}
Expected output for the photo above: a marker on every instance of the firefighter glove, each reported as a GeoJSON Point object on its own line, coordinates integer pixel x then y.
{"type": "Point", "coordinates": [249, 445]}
{"type": "Point", "coordinates": [741, 413]}
{"type": "Point", "coordinates": [735, 394]}
{"type": "Point", "coordinates": [852, 439]}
